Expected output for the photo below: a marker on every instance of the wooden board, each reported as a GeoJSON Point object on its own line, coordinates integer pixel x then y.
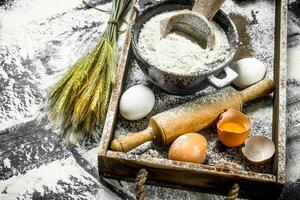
{"type": "Point", "coordinates": [205, 178]}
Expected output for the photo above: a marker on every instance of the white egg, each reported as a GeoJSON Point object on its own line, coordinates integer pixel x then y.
{"type": "Point", "coordinates": [249, 70]}
{"type": "Point", "coordinates": [136, 102]}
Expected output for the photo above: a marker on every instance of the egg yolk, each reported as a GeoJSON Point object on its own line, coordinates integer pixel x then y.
{"type": "Point", "coordinates": [233, 127]}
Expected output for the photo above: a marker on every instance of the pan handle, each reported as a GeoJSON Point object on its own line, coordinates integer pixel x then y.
{"type": "Point", "coordinates": [141, 5]}
{"type": "Point", "coordinates": [230, 75]}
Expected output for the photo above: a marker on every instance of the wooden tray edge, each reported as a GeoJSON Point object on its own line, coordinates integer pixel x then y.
{"type": "Point", "coordinates": [280, 95]}
{"type": "Point", "coordinates": [110, 119]}
{"type": "Point", "coordinates": [279, 77]}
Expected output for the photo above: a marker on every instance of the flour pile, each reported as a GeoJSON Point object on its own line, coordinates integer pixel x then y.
{"type": "Point", "coordinates": [177, 52]}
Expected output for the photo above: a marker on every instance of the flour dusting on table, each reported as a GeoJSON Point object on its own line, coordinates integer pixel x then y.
{"type": "Point", "coordinates": [39, 42]}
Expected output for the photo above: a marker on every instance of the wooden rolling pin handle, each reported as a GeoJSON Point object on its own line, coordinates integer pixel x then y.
{"type": "Point", "coordinates": [257, 90]}
{"type": "Point", "coordinates": [132, 140]}
{"type": "Point", "coordinates": [207, 8]}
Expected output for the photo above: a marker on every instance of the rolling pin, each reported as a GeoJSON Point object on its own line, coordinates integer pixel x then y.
{"type": "Point", "coordinates": [165, 127]}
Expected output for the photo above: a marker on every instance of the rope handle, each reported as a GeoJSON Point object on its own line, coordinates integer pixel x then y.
{"type": "Point", "coordinates": [234, 192]}
{"type": "Point", "coordinates": [230, 167]}
{"type": "Point", "coordinates": [140, 184]}
{"type": "Point", "coordinates": [141, 179]}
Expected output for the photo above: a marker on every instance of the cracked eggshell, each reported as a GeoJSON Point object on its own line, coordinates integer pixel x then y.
{"type": "Point", "coordinates": [233, 139]}
{"type": "Point", "coordinates": [258, 149]}
{"type": "Point", "coordinates": [136, 102]}
{"type": "Point", "coordinates": [249, 70]}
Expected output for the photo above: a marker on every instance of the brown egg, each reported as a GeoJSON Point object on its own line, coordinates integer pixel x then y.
{"type": "Point", "coordinates": [190, 147]}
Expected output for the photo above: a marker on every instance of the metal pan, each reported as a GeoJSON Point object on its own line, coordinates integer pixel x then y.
{"type": "Point", "coordinates": [175, 83]}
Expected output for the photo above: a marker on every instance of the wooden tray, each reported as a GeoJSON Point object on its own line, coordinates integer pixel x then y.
{"type": "Point", "coordinates": [204, 177]}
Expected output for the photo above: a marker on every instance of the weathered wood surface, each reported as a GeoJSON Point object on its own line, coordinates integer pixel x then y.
{"type": "Point", "coordinates": [191, 177]}
{"type": "Point", "coordinates": [114, 164]}
{"type": "Point", "coordinates": [279, 113]}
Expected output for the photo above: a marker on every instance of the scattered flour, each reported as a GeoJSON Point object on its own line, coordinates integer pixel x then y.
{"type": "Point", "coordinates": [293, 70]}
{"type": "Point", "coordinates": [52, 174]}
{"type": "Point", "coordinates": [261, 16]}
{"type": "Point", "coordinates": [39, 42]}
{"type": "Point", "coordinates": [7, 163]}
{"type": "Point", "coordinates": [293, 158]}
{"type": "Point", "coordinates": [177, 53]}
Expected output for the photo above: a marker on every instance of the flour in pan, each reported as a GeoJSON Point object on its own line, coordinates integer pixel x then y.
{"type": "Point", "coordinates": [178, 53]}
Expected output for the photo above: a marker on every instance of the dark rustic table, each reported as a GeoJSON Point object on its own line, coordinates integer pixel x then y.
{"type": "Point", "coordinates": [35, 36]}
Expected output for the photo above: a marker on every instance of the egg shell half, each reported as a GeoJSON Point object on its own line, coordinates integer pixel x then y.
{"type": "Point", "coordinates": [258, 149]}
{"type": "Point", "coordinates": [249, 70]}
{"type": "Point", "coordinates": [136, 102]}
{"type": "Point", "coordinates": [190, 147]}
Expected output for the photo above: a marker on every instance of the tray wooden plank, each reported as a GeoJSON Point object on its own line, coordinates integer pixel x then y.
{"type": "Point", "coordinates": [205, 169]}
{"type": "Point", "coordinates": [202, 177]}
{"type": "Point", "coordinates": [111, 116]}
{"type": "Point", "coordinates": [280, 95]}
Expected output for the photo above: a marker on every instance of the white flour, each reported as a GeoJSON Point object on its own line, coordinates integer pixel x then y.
{"type": "Point", "coordinates": [48, 177]}
{"type": "Point", "coordinates": [261, 42]}
{"type": "Point", "coordinates": [294, 63]}
{"type": "Point", "coordinates": [177, 53]}
{"type": "Point", "coordinates": [39, 42]}
{"type": "Point", "coordinates": [7, 163]}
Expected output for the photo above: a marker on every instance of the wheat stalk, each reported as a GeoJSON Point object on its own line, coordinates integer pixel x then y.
{"type": "Point", "coordinates": [80, 98]}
